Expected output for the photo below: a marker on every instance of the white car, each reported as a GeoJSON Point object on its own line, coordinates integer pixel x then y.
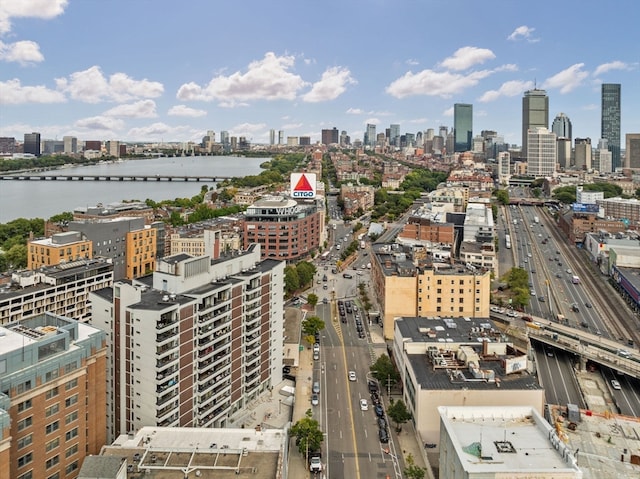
{"type": "Point", "coordinates": [615, 384]}
{"type": "Point", "coordinates": [364, 405]}
{"type": "Point", "coordinates": [352, 375]}
{"type": "Point", "coordinates": [532, 292]}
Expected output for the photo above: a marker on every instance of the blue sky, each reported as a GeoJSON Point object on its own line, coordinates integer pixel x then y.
{"type": "Point", "coordinates": [167, 70]}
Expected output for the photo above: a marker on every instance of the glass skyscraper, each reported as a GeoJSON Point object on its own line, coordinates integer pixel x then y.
{"type": "Point", "coordinates": [610, 121]}
{"type": "Point", "coordinates": [535, 113]}
{"type": "Point", "coordinates": [562, 126]}
{"type": "Point", "coordinates": [462, 127]}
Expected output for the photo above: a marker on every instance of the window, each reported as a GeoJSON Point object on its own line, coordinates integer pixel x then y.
{"type": "Point", "coordinates": [54, 426]}
{"type": "Point", "coordinates": [52, 444]}
{"type": "Point", "coordinates": [439, 291]}
{"type": "Point", "coordinates": [71, 384]}
{"type": "Point", "coordinates": [71, 434]}
{"type": "Point", "coordinates": [71, 417]}
{"type": "Point", "coordinates": [71, 400]}
{"type": "Point", "coordinates": [25, 441]}
{"type": "Point", "coordinates": [24, 405]}
{"type": "Point", "coordinates": [52, 410]}
{"type": "Point", "coordinates": [51, 375]}
{"type": "Point", "coordinates": [54, 476]}
{"type": "Point", "coordinates": [26, 459]}
{"type": "Point", "coordinates": [26, 475]}
{"type": "Point", "coordinates": [52, 462]}
{"type": "Point", "coordinates": [71, 467]}
{"type": "Point", "coordinates": [71, 451]}
{"type": "Point", "coordinates": [25, 423]}
{"type": "Point", "coordinates": [53, 392]}
{"type": "Point", "coordinates": [25, 386]}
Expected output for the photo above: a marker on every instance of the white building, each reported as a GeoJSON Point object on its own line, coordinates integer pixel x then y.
{"type": "Point", "coordinates": [492, 442]}
{"type": "Point", "coordinates": [541, 152]}
{"type": "Point", "coordinates": [504, 167]}
{"type": "Point", "coordinates": [193, 344]}
{"type": "Point", "coordinates": [478, 223]}
{"type": "Point", "coordinates": [588, 197]}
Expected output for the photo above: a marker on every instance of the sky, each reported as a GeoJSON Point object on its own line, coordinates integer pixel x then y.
{"type": "Point", "coordinates": [168, 70]}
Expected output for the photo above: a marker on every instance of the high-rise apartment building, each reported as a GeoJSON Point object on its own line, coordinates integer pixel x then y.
{"type": "Point", "coordinates": [632, 151]}
{"type": "Point", "coordinates": [602, 157]}
{"type": "Point", "coordinates": [7, 144]}
{"type": "Point", "coordinates": [330, 137]}
{"type": "Point", "coordinates": [564, 152]}
{"type": "Point", "coordinates": [462, 127]}
{"type": "Point", "coordinates": [32, 143]}
{"type": "Point", "coordinates": [394, 135]}
{"type": "Point", "coordinates": [535, 113]}
{"type": "Point", "coordinates": [52, 396]}
{"type": "Point", "coordinates": [70, 144]}
{"type": "Point", "coordinates": [280, 137]}
{"type": "Point", "coordinates": [272, 137]}
{"type": "Point", "coordinates": [582, 154]}
{"type": "Point", "coordinates": [561, 126]}
{"type": "Point", "coordinates": [195, 344]}
{"type": "Point", "coordinates": [370, 135]}
{"type": "Point", "coordinates": [541, 153]}
{"type": "Point", "coordinates": [610, 120]}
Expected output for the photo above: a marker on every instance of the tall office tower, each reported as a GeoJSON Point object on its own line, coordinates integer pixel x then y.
{"type": "Point", "coordinates": [561, 126]}
{"type": "Point", "coordinates": [564, 152]}
{"type": "Point", "coordinates": [212, 136]}
{"type": "Point", "coordinates": [443, 131]}
{"type": "Point", "coordinates": [602, 160]}
{"type": "Point", "coordinates": [70, 144]}
{"type": "Point", "coordinates": [304, 141]}
{"type": "Point", "coordinates": [53, 396]}
{"type": "Point", "coordinates": [280, 137]}
{"type": "Point", "coordinates": [344, 138]}
{"type": "Point", "coordinates": [370, 135]}
{"type": "Point", "coordinates": [429, 134]}
{"type": "Point", "coordinates": [632, 151]}
{"type": "Point", "coordinates": [394, 135]}
{"type": "Point", "coordinates": [195, 346]}
{"type": "Point", "coordinates": [541, 152]}
{"type": "Point", "coordinates": [610, 120]}
{"type": "Point", "coordinates": [7, 144]}
{"type": "Point", "coordinates": [582, 154]}
{"type": "Point", "coordinates": [463, 126]}
{"type": "Point", "coordinates": [535, 113]}
{"type": "Point", "coordinates": [272, 137]}
{"type": "Point", "coordinates": [410, 139]}
{"type": "Point", "coordinates": [330, 137]}
{"type": "Point", "coordinates": [449, 143]}
{"type": "Point", "coordinates": [32, 143]}
{"type": "Point", "coordinates": [419, 139]}
{"type": "Point", "coordinates": [438, 144]}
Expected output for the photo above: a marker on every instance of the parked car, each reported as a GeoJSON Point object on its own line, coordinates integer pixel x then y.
{"type": "Point", "coordinates": [316, 387]}
{"type": "Point", "coordinates": [315, 399]}
{"type": "Point", "coordinates": [379, 411]}
{"type": "Point", "coordinates": [383, 436]}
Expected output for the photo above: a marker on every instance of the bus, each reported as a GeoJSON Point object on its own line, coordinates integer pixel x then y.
{"type": "Point", "coordinates": [325, 256]}
{"type": "Point", "coordinates": [507, 241]}
{"type": "Point", "coordinates": [575, 280]}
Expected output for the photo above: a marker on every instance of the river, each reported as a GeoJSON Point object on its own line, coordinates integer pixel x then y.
{"type": "Point", "coordinates": [43, 199]}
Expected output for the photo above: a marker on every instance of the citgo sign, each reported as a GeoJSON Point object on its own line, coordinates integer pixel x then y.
{"type": "Point", "coordinates": [303, 185]}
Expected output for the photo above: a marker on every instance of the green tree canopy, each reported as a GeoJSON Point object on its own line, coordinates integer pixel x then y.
{"type": "Point", "coordinates": [398, 413]}
{"type": "Point", "coordinates": [306, 271]}
{"type": "Point", "coordinates": [312, 325]}
{"type": "Point", "coordinates": [308, 435]}
{"type": "Point", "coordinates": [312, 299]}
{"type": "Point", "coordinates": [384, 371]}
{"type": "Point", "coordinates": [412, 471]}
{"type": "Point", "coordinates": [502, 196]}
{"type": "Point", "coordinates": [291, 279]}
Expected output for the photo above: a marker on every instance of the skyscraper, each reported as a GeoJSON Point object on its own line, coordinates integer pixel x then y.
{"type": "Point", "coordinates": [562, 126]}
{"type": "Point", "coordinates": [535, 113]}
{"type": "Point", "coordinates": [330, 137]}
{"type": "Point", "coordinates": [541, 152]}
{"type": "Point", "coordinates": [370, 135]}
{"type": "Point", "coordinates": [394, 135]}
{"type": "Point", "coordinates": [610, 120]}
{"type": "Point", "coordinates": [632, 151]}
{"type": "Point", "coordinates": [582, 154]}
{"type": "Point", "coordinates": [32, 143]}
{"type": "Point", "coordinates": [462, 126]}
{"type": "Point", "coordinates": [70, 144]}
{"type": "Point", "coordinates": [272, 137]}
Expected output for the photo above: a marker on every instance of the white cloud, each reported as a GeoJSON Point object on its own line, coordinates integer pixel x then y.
{"type": "Point", "coordinates": [466, 57]}
{"type": "Point", "coordinates": [13, 93]}
{"type": "Point", "coordinates": [523, 32]}
{"type": "Point", "coordinates": [100, 123]}
{"type": "Point", "coordinates": [247, 129]}
{"type": "Point", "coordinates": [45, 9]}
{"type": "Point", "coordinates": [266, 79]}
{"type": "Point", "coordinates": [91, 86]}
{"type": "Point", "coordinates": [509, 88]}
{"type": "Point", "coordinates": [432, 83]}
{"type": "Point", "coordinates": [292, 126]}
{"type": "Point", "coordinates": [615, 65]}
{"type": "Point", "coordinates": [448, 112]}
{"type": "Point", "coordinates": [139, 109]}
{"type": "Point", "coordinates": [371, 121]}
{"type": "Point", "coordinates": [183, 110]}
{"type": "Point", "coordinates": [412, 62]}
{"type": "Point", "coordinates": [591, 107]}
{"type": "Point", "coordinates": [333, 83]}
{"type": "Point", "coordinates": [507, 67]}
{"type": "Point", "coordinates": [355, 111]}
{"type": "Point", "coordinates": [568, 79]}
{"type": "Point", "coordinates": [150, 132]}
{"type": "Point", "coordinates": [23, 52]}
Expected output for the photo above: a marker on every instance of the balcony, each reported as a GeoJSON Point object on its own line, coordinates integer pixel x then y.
{"type": "Point", "coordinates": [171, 383]}
{"type": "Point", "coordinates": [166, 321]}
{"type": "Point", "coordinates": [162, 400]}
{"type": "Point", "coordinates": [160, 350]}
{"type": "Point", "coordinates": [165, 373]}
{"type": "Point", "coordinates": [166, 360]}
{"type": "Point", "coordinates": [166, 410]}
{"type": "Point", "coordinates": [172, 333]}
{"type": "Point", "coordinates": [170, 421]}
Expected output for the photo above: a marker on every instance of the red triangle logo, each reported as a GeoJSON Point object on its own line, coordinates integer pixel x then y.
{"type": "Point", "coordinates": [303, 184]}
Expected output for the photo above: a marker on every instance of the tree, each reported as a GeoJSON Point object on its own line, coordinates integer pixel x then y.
{"type": "Point", "coordinates": [412, 471]}
{"type": "Point", "coordinates": [306, 271]}
{"type": "Point", "coordinates": [384, 371]}
{"type": "Point", "coordinates": [17, 256]}
{"type": "Point", "coordinates": [308, 435]}
{"type": "Point", "coordinates": [291, 279]}
{"type": "Point", "coordinates": [398, 413]}
{"type": "Point", "coordinates": [312, 325]}
{"type": "Point", "coordinates": [312, 299]}
{"type": "Point", "coordinates": [502, 196]}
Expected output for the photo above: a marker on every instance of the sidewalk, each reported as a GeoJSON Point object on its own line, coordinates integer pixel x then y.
{"type": "Point", "coordinates": [304, 377]}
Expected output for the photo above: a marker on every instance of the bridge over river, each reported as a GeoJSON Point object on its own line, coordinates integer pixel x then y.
{"type": "Point", "coordinates": [83, 177]}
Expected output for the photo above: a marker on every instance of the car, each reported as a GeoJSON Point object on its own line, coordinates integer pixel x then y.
{"type": "Point", "coordinates": [326, 268]}
{"type": "Point", "coordinates": [347, 276]}
{"type": "Point", "coordinates": [533, 271]}
{"type": "Point", "coordinates": [529, 255]}
{"type": "Point", "coordinates": [315, 464]}
{"type": "Point", "coordinates": [559, 264]}
{"type": "Point", "coordinates": [352, 376]}
{"type": "Point", "coordinates": [588, 305]}
{"type": "Point", "coordinates": [379, 411]}
{"type": "Point", "coordinates": [527, 319]}
{"type": "Point", "coordinates": [383, 436]}
{"type": "Point", "coordinates": [373, 386]}
{"type": "Point", "coordinates": [316, 387]}
{"type": "Point", "coordinates": [526, 260]}
{"type": "Point", "coordinates": [615, 384]}
{"type": "Point", "coordinates": [375, 399]}
{"type": "Point", "coordinates": [316, 355]}
{"type": "Point", "coordinates": [623, 353]}
{"type": "Point", "coordinates": [541, 299]}
{"type": "Point", "coordinates": [382, 423]}
{"type": "Point", "coordinates": [584, 324]}
{"type": "Point", "coordinates": [549, 353]}
{"type": "Point", "coordinates": [325, 300]}
{"type": "Point", "coordinates": [316, 347]}
{"type": "Point", "coordinates": [558, 275]}
{"type": "Point", "coordinates": [315, 399]}
{"type": "Point", "coordinates": [317, 336]}
{"type": "Point", "coordinates": [362, 334]}
{"type": "Point", "coordinates": [574, 308]}
{"type": "Point", "coordinates": [532, 292]}
{"type": "Point", "coordinates": [364, 405]}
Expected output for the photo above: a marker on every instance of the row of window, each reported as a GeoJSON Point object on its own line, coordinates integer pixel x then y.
{"type": "Point", "coordinates": [68, 470]}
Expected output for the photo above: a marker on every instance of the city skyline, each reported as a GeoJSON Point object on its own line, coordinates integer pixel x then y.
{"type": "Point", "coordinates": [174, 72]}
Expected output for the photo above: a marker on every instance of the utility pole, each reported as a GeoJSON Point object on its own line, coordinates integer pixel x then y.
{"type": "Point", "coordinates": [388, 385]}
